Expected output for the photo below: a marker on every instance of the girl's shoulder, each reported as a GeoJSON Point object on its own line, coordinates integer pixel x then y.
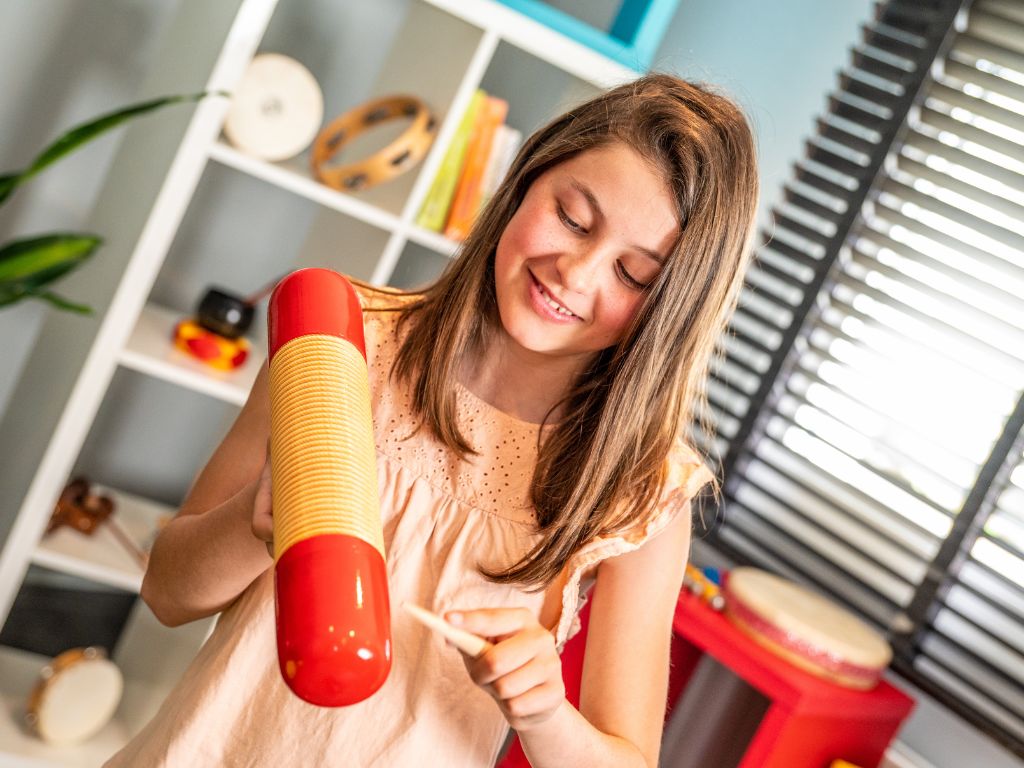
{"type": "Point", "coordinates": [684, 475]}
{"type": "Point", "coordinates": [383, 309]}
{"type": "Point", "coordinates": [685, 471]}
{"type": "Point", "coordinates": [381, 299]}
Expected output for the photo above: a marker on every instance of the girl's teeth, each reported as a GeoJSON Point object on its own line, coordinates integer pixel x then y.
{"type": "Point", "coordinates": [553, 304]}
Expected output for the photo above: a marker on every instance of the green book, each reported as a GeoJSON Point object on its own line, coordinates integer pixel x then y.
{"type": "Point", "coordinates": [434, 211]}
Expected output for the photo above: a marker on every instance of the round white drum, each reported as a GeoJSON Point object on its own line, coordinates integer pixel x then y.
{"type": "Point", "coordinates": [75, 697]}
{"type": "Point", "coordinates": [276, 110]}
{"type": "Point", "coordinates": [805, 628]}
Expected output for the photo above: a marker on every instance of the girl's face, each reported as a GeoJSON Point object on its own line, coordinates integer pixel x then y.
{"type": "Point", "coordinates": [572, 264]}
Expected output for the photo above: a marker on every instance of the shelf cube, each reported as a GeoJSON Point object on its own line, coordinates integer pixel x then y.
{"type": "Point", "coordinates": [634, 36]}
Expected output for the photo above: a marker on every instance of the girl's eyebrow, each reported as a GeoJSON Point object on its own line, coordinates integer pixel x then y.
{"type": "Point", "coordinates": [596, 207]}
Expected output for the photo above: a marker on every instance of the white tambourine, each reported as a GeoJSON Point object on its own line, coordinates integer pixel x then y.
{"type": "Point", "coordinates": [276, 110]}
{"type": "Point", "coordinates": [75, 697]}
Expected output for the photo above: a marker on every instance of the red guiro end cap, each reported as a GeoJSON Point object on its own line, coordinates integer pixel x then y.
{"type": "Point", "coordinates": [333, 619]}
{"type": "Point", "coordinates": [314, 301]}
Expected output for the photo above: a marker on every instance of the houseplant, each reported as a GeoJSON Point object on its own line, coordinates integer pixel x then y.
{"type": "Point", "coordinates": [29, 265]}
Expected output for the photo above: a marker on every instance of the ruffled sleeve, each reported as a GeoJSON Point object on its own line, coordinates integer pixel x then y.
{"type": "Point", "coordinates": [686, 475]}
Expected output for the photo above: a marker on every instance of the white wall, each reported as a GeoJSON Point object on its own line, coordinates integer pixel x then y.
{"type": "Point", "coordinates": [64, 61]}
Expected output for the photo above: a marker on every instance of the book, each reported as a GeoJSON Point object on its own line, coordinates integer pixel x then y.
{"type": "Point", "coordinates": [469, 191]}
{"type": "Point", "coordinates": [507, 141]}
{"type": "Point", "coordinates": [434, 211]}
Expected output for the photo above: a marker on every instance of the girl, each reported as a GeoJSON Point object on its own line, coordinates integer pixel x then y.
{"type": "Point", "coordinates": [529, 412]}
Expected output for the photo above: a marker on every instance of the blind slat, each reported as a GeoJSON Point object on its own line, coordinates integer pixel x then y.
{"type": "Point", "coordinates": [929, 243]}
{"type": "Point", "coordinates": [854, 500]}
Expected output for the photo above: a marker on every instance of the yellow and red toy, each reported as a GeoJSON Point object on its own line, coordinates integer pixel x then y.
{"type": "Point", "coordinates": [331, 593]}
{"type": "Point", "coordinates": [215, 350]}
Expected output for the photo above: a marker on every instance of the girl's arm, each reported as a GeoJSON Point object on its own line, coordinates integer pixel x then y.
{"type": "Point", "coordinates": [208, 554]}
{"type": "Point", "coordinates": [625, 669]}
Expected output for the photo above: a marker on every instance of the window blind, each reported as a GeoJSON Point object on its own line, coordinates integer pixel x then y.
{"type": "Point", "coordinates": [868, 403]}
{"type": "Point", "coordinates": [972, 646]}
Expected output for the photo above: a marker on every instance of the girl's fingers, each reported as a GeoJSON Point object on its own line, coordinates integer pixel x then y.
{"type": "Point", "coordinates": [538, 671]}
{"type": "Point", "coordinates": [263, 514]}
{"type": "Point", "coordinates": [262, 523]}
{"type": "Point", "coordinates": [492, 622]}
{"type": "Point", "coordinates": [522, 671]}
{"type": "Point", "coordinates": [512, 654]}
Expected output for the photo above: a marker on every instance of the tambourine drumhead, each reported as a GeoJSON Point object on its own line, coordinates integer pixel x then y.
{"type": "Point", "coordinates": [276, 110]}
{"type": "Point", "coordinates": [806, 628]}
{"type": "Point", "coordinates": [75, 697]}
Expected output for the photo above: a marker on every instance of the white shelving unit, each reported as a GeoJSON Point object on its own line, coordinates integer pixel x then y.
{"type": "Point", "coordinates": [291, 176]}
{"type": "Point", "coordinates": [147, 276]}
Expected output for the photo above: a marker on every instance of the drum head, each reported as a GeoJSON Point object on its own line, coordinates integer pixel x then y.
{"type": "Point", "coordinates": [276, 110]}
{"type": "Point", "coordinates": [806, 628]}
{"type": "Point", "coordinates": [76, 699]}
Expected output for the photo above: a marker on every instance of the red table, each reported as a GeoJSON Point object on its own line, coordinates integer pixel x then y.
{"type": "Point", "coordinates": [809, 723]}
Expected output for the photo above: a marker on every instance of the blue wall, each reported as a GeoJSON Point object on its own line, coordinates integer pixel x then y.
{"type": "Point", "coordinates": [777, 58]}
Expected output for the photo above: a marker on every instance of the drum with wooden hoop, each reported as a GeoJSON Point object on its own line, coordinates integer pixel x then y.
{"type": "Point", "coordinates": [805, 628]}
{"type": "Point", "coordinates": [75, 697]}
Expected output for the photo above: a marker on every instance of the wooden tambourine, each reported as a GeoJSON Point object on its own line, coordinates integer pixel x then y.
{"type": "Point", "coordinates": [394, 159]}
{"type": "Point", "coordinates": [75, 697]}
{"type": "Point", "coordinates": [276, 109]}
{"type": "Point", "coordinates": [805, 629]}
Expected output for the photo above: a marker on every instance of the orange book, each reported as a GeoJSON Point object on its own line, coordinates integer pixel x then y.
{"type": "Point", "coordinates": [469, 193]}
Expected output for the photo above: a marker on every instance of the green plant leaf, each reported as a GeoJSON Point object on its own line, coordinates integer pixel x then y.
{"type": "Point", "coordinates": [86, 132]}
{"type": "Point", "coordinates": [29, 264]}
{"type": "Point", "coordinates": [8, 182]}
{"type": "Point", "coordinates": [61, 303]}
{"type": "Point", "coordinates": [11, 295]}
{"type": "Point", "coordinates": [37, 260]}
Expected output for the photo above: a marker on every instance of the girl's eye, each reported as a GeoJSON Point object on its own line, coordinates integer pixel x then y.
{"type": "Point", "coordinates": [568, 222]}
{"type": "Point", "coordinates": [628, 279]}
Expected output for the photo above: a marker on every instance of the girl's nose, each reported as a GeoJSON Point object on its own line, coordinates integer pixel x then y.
{"type": "Point", "coordinates": [578, 270]}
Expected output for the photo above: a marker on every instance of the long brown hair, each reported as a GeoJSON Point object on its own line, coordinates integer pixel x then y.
{"type": "Point", "coordinates": [600, 470]}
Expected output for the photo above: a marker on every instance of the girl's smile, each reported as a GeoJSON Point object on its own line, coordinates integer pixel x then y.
{"type": "Point", "coordinates": [547, 306]}
{"type": "Point", "coordinates": [573, 263]}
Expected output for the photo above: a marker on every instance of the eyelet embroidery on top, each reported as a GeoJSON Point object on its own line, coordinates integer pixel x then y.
{"type": "Point", "coordinates": [497, 480]}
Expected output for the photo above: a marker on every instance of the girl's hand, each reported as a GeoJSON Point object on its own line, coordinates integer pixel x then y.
{"type": "Point", "coordinates": [522, 672]}
{"type": "Point", "coordinates": [262, 510]}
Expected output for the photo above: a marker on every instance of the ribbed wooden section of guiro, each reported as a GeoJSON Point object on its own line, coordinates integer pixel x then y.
{"type": "Point", "coordinates": [333, 613]}
{"type": "Point", "coordinates": [322, 446]}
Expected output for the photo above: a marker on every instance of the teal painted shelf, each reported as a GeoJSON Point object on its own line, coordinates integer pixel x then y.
{"type": "Point", "coordinates": [633, 39]}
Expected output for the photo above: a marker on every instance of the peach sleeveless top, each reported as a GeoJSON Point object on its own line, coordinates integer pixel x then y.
{"type": "Point", "coordinates": [441, 516]}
